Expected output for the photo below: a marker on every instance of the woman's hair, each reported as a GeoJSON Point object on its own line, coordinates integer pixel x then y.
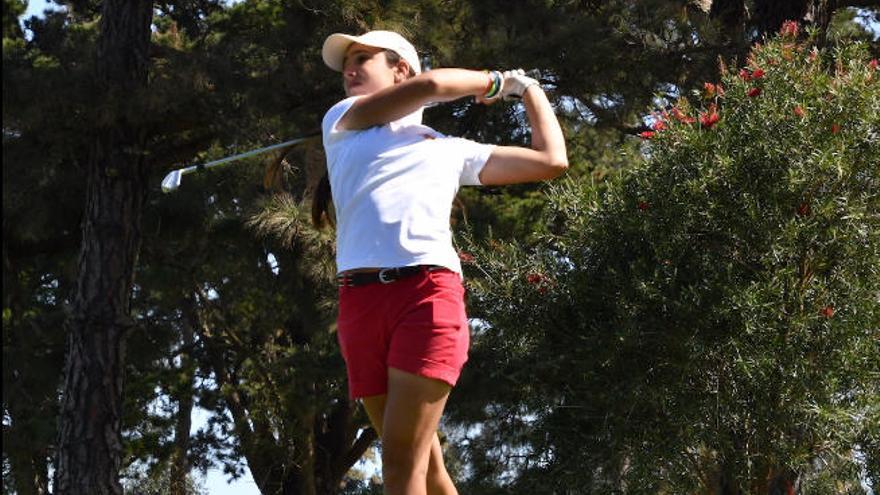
{"type": "Point", "coordinates": [321, 203]}
{"type": "Point", "coordinates": [323, 194]}
{"type": "Point", "coordinates": [394, 58]}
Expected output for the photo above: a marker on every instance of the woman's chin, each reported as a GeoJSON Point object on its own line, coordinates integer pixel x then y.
{"type": "Point", "coordinates": [358, 90]}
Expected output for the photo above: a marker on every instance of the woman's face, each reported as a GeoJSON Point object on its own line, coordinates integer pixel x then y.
{"type": "Point", "coordinates": [365, 70]}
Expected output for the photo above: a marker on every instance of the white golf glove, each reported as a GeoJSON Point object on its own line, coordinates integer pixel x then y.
{"type": "Point", "coordinates": [516, 82]}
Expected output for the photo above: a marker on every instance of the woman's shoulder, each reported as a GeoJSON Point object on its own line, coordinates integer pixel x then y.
{"type": "Point", "coordinates": [332, 117]}
{"type": "Point", "coordinates": [340, 107]}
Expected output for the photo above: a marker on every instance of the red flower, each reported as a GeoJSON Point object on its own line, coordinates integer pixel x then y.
{"type": "Point", "coordinates": [757, 74]}
{"type": "Point", "coordinates": [646, 134]}
{"type": "Point", "coordinates": [658, 125]}
{"type": "Point", "coordinates": [754, 92]}
{"type": "Point", "coordinates": [835, 128]}
{"type": "Point", "coordinates": [710, 89]}
{"type": "Point", "coordinates": [534, 278]}
{"type": "Point", "coordinates": [681, 116]}
{"type": "Point", "coordinates": [828, 311]}
{"type": "Point", "coordinates": [465, 257]}
{"type": "Point", "coordinates": [643, 205]}
{"type": "Point", "coordinates": [799, 111]}
{"type": "Point", "coordinates": [720, 89]}
{"type": "Point", "coordinates": [804, 209]}
{"type": "Point", "coordinates": [744, 75]}
{"type": "Point", "coordinates": [873, 64]}
{"type": "Point", "coordinates": [789, 28]}
{"type": "Point", "coordinates": [709, 118]}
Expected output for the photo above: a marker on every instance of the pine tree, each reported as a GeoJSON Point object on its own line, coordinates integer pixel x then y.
{"type": "Point", "coordinates": [89, 439]}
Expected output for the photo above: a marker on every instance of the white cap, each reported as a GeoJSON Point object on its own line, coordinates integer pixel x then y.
{"type": "Point", "coordinates": [336, 44]}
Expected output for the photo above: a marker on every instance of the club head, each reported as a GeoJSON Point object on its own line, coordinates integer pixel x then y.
{"type": "Point", "coordinates": [171, 181]}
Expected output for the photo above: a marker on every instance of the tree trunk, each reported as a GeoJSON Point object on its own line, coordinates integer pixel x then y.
{"type": "Point", "coordinates": [184, 397]}
{"type": "Point", "coordinates": [820, 13]}
{"type": "Point", "coordinates": [731, 15]}
{"type": "Point", "coordinates": [341, 439]}
{"type": "Point", "coordinates": [89, 438]}
{"type": "Point", "coordinates": [770, 14]}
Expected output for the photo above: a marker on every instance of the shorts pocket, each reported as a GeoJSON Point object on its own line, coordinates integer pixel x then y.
{"type": "Point", "coordinates": [446, 279]}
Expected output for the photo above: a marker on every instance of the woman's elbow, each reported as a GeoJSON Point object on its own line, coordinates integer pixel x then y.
{"type": "Point", "coordinates": [557, 164]}
{"type": "Point", "coordinates": [430, 84]}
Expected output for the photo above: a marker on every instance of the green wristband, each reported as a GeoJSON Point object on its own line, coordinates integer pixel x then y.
{"type": "Point", "coordinates": [496, 85]}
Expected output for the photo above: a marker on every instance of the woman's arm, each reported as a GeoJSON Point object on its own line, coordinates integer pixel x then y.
{"type": "Point", "coordinates": [547, 157]}
{"type": "Point", "coordinates": [399, 100]}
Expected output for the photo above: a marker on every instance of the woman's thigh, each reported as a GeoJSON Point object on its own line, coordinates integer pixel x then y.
{"type": "Point", "coordinates": [375, 407]}
{"type": "Point", "coordinates": [412, 412]}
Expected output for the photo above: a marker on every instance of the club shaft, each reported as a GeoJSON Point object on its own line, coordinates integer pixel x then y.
{"type": "Point", "coordinates": [193, 168]}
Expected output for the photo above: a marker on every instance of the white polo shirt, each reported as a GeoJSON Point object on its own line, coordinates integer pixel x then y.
{"type": "Point", "coordinates": [393, 187]}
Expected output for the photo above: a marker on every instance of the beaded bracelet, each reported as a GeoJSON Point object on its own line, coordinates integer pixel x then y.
{"type": "Point", "coordinates": [494, 86]}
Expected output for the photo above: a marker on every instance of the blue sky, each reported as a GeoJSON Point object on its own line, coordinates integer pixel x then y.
{"type": "Point", "coordinates": [36, 7]}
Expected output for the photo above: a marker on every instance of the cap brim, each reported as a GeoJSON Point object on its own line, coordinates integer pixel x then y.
{"type": "Point", "coordinates": [334, 49]}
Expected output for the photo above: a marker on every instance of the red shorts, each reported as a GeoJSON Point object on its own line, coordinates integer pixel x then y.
{"type": "Point", "coordinates": [416, 324]}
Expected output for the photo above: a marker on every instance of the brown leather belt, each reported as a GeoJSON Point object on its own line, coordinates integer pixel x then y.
{"type": "Point", "coordinates": [383, 275]}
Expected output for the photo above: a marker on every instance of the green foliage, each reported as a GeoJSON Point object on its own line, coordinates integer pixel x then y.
{"type": "Point", "coordinates": [12, 10]}
{"type": "Point", "coordinates": [157, 481]}
{"type": "Point", "coordinates": [39, 237]}
{"type": "Point", "coordinates": [712, 319]}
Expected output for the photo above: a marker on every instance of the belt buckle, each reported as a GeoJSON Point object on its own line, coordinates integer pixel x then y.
{"type": "Point", "coordinates": [382, 276]}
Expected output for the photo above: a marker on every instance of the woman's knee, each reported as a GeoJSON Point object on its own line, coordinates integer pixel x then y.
{"type": "Point", "coordinates": [403, 456]}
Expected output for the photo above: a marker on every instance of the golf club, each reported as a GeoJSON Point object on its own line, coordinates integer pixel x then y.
{"type": "Point", "coordinates": [172, 181]}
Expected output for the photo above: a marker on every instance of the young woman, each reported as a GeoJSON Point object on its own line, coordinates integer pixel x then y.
{"type": "Point", "coordinates": [402, 326]}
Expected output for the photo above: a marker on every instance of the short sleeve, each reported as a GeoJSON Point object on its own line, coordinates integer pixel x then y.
{"type": "Point", "coordinates": [475, 155]}
{"type": "Point", "coordinates": [331, 134]}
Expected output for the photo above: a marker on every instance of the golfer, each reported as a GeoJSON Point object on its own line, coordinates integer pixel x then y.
{"type": "Point", "coordinates": [402, 326]}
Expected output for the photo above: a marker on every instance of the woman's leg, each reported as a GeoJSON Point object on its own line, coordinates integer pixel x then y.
{"type": "Point", "coordinates": [417, 403]}
{"type": "Point", "coordinates": [375, 407]}
{"type": "Point", "coordinates": [439, 481]}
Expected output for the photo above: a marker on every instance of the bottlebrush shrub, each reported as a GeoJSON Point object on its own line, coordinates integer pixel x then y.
{"type": "Point", "coordinates": [713, 319]}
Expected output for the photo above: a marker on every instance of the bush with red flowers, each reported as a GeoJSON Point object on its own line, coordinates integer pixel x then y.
{"type": "Point", "coordinates": [731, 330]}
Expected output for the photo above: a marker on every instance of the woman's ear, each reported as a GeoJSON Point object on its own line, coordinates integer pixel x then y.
{"type": "Point", "coordinates": [401, 72]}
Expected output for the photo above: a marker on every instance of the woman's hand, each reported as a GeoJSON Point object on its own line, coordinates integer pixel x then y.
{"type": "Point", "coordinates": [486, 101]}
{"type": "Point", "coordinates": [515, 84]}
